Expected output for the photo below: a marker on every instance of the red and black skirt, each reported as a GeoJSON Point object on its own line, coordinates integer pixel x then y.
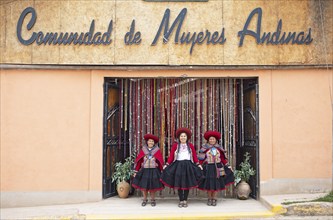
{"type": "Point", "coordinates": [148, 179]}
{"type": "Point", "coordinates": [181, 174]}
{"type": "Point", "coordinates": [211, 182]}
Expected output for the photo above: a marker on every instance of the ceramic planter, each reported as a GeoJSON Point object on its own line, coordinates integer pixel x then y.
{"type": "Point", "coordinates": [243, 190]}
{"type": "Point", "coordinates": [123, 189]}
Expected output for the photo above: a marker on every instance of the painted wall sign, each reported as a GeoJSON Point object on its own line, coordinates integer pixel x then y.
{"type": "Point", "coordinates": [175, 0]}
{"type": "Point", "coordinates": [274, 38]}
{"type": "Point", "coordinates": [132, 37]}
{"type": "Point", "coordinates": [66, 38]}
{"type": "Point", "coordinates": [187, 38]}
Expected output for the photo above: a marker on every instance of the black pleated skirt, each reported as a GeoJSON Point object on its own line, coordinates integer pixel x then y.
{"type": "Point", "coordinates": [211, 183]}
{"type": "Point", "coordinates": [181, 174]}
{"type": "Point", "coordinates": [148, 179]}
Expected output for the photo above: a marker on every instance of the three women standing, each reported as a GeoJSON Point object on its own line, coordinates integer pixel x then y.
{"type": "Point", "coordinates": [182, 170]}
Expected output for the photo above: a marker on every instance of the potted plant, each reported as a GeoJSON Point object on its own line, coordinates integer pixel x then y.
{"type": "Point", "coordinates": [122, 174]}
{"type": "Point", "coordinates": [242, 177]}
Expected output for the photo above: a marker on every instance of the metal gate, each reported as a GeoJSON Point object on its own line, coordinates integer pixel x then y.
{"type": "Point", "coordinates": [249, 129]}
{"type": "Point", "coordinates": [115, 149]}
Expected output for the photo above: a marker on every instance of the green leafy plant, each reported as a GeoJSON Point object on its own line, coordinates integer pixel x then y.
{"type": "Point", "coordinates": [246, 170]}
{"type": "Point", "coordinates": [123, 171]}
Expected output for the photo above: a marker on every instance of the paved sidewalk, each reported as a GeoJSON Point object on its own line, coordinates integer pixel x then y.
{"type": "Point", "coordinates": [166, 208]}
{"type": "Point", "coordinates": [130, 208]}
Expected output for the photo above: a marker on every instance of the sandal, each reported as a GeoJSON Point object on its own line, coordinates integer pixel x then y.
{"type": "Point", "coordinates": [209, 202]}
{"type": "Point", "coordinates": [153, 202]}
{"type": "Point", "coordinates": [144, 202]}
{"type": "Point", "coordinates": [185, 204]}
{"type": "Point", "coordinates": [213, 202]}
{"type": "Point", "coordinates": [180, 204]}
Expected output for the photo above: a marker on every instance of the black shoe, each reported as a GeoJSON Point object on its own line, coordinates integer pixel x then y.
{"type": "Point", "coordinates": [213, 202]}
{"type": "Point", "coordinates": [144, 202]}
{"type": "Point", "coordinates": [153, 202]}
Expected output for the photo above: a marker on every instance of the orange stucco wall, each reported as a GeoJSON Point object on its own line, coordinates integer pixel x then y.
{"type": "Point", "coordinates": [302, 124]}
{"type": "Point", "coordinates": [51, 125]}
{"type": "Point", "coordinates": [45, 130]}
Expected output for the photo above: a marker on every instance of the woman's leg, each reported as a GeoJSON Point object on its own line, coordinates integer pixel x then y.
{"type": "Point", "coordinates": [145, 193]}
{"type": "Point", "coordinates": [209, 202]}
{"type": "Point", "coordinates": [144, 201]}
{"type": "Point", "coordinates": [214, 198]}
{"type": "Point", "coordinates": [152, 198]}
{"type": "Point", "coordinates": [214, 195]}
{"type": "Point", "coordinates": [181, 195]}
{"type": "Point", "coordinates": [181, 198]}
{"type": "Point", "coordinates": [186, 192]}
{"type": "Point", "coordinates": [152, 195]}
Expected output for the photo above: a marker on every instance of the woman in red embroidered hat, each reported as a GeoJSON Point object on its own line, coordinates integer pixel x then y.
{"type": "Point", "coordinates": [183, 170]}
{"type": "Point", "coordinates": [148, 166]}
{"type": "Point", "coordinates": [217, 171]}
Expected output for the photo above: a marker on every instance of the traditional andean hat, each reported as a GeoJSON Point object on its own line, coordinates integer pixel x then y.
{"type": "Point", "coordinates": [150, 136]}
{"type": "Point", "coordinates": [184, 130]}
{"type": "Point", "coordinates": [215, 134]}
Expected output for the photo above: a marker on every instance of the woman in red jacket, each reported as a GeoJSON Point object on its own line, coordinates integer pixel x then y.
{"type": "Point", "coordinates": [217, 171]}
{"type": "Point", "coordinates": [148, 166]}
{"type": "Point", "coordinates": [183, 170]}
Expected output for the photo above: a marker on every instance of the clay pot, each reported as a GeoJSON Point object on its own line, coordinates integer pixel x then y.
{"type": "Point", "coordinates": [123, 189]}
{"type": "Point", "coordinates": [243, 190]}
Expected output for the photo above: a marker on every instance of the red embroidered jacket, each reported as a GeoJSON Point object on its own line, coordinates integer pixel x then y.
{"type": "Point", "coordinates": [155, 153]}
{"type": "Point", "coordinates": [206, 149]}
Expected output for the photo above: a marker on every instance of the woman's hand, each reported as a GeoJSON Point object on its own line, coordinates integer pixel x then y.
{"type": "Point", "coordinates": [200, 167]}
{"type": "Point", "coordinates": [165, 165]}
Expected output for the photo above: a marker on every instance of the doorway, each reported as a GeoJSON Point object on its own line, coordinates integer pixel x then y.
{"type": "Point", "coordinates": [248, 140]}
{"type": "Point", "coordinates": [134, 107]}
{"type": "Point", "coordinates": [115, 136]}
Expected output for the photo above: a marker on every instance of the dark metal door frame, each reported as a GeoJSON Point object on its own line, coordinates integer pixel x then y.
{"type": "Point", "coordinates": [249, 144]}
{"type": "Point", "coordinates": [109, 142]}
{"type": "Point", "coordinates": [257, 141]}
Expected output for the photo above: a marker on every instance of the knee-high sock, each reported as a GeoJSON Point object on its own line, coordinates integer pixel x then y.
{"type": "Point", "coordinates": [181, 195]}
{"type": "Point", "coordinates": [186, 192]}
